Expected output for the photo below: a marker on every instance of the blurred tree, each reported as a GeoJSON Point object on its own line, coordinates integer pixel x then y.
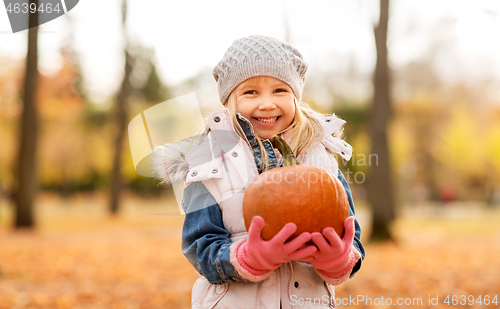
{"type": "Point", "coordinates": [379, 182]}
{"type": "Point", "coordinates": [121, 117]}
{"type": "Point", "coordinates": [424, 122]}
{"type": "Point", "coordinates": [154, 90]}
{"type": "Point", "coordinates": [25, 186]}
{"type": "Point", "coordinates": [69, 52]}
{"type": "Point", "coordinates": [62, 140]}
{"type": "Point", "coordinates": [416, 79]}
{"type": "Point", "coordinates": [421, 77]}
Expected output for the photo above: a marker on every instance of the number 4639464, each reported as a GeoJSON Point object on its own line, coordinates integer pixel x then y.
{"type": "Point", "coordinates": [32, 8]}
{"type": "Point", "coordinates": [470, 300]}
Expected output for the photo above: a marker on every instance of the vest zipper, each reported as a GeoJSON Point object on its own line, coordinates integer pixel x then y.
{"type": "Point", "coordinates": [253, 157]}
{"type": "Point", "coordinates": [290, 281]}
{"type": "Point", "coordinates": [227, 170]}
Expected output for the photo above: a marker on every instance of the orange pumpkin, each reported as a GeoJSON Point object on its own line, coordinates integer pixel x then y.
{"type": "Point", "coordinates": [309, 196]}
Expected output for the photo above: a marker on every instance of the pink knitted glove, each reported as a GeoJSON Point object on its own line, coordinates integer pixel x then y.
{"type": "Point", "coordinates": [336, 255]}
{"type": "Point", "coordinates": [264, 255]}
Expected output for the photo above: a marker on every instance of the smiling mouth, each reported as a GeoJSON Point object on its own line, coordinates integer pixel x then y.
{"type": "Point", "coordinates": [267, 120]}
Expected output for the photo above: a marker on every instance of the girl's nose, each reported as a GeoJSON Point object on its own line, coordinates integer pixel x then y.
{"type": "Point", "coordinates": [267, 103]}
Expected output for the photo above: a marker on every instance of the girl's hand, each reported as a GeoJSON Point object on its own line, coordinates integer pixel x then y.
{"type": "Point", "coordinates": [267, 255]}
{"type": "Point", "coordinates": [334, 252]}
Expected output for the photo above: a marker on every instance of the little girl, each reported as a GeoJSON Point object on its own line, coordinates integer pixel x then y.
{"type": "Point", "coordinates": [260, 82]}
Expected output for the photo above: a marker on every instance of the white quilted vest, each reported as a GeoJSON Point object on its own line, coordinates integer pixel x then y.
{"type": "Point", "coordinates": [226, 177]}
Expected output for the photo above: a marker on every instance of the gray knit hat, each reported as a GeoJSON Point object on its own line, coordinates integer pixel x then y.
{"type": "Point", "coordinates": [259, 55]}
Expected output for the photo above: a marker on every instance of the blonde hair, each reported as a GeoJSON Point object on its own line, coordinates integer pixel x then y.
{"type": "Point", "coordinates": [305, 128]}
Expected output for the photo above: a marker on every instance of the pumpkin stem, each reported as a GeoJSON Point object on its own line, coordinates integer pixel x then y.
{"type": "Point", "coordinates": [289, 158]}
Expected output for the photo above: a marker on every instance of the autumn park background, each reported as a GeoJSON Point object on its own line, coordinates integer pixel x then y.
{"type": "Point", "coordinates": [79, 228]}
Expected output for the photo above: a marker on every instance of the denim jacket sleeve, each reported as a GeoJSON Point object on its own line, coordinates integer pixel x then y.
{"type": "Point", "coordinates": [357, 235]}
{"type": "Point", "coordinates": [205, 241]}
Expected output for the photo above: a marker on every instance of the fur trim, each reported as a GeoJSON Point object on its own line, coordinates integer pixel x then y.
{"type": "Point", "coordinates": [169, 163]}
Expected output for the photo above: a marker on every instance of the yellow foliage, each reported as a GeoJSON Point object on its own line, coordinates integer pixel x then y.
{"type": "Point", "coordinates": [401, 144]}
{"type": "Point", "coordinates": [461, 147]}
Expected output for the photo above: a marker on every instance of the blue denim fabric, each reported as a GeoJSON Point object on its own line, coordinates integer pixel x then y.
{"type": "Point", "coordinates": [205, 241]}
{"type": "Point", "coordinates": [250, 135]}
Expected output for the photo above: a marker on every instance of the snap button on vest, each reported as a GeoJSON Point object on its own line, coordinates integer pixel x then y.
{"type": "Point", "coordinates": [194, 174]}
{"type": "Point", "coordinates": [219, 289]}
{"type": "Point", "coordinates": [328, 120]}
{"type": "Point", "coordinates": [214, 171]}
{"type": "Point", "coordinates": [235, 154]}
{"type": "Point", "coordinates": [216, 118]}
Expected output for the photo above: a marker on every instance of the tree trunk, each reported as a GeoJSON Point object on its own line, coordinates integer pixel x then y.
{"type": "Point", "coordinates": [380, 186]}
{"type": "Point", "coordinates": [25, 185]}
{"type": "Point", "coordinates": [121, 116]}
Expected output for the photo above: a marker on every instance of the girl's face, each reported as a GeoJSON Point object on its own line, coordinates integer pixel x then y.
{"type": "Point", "coordinates": [268, 103]}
